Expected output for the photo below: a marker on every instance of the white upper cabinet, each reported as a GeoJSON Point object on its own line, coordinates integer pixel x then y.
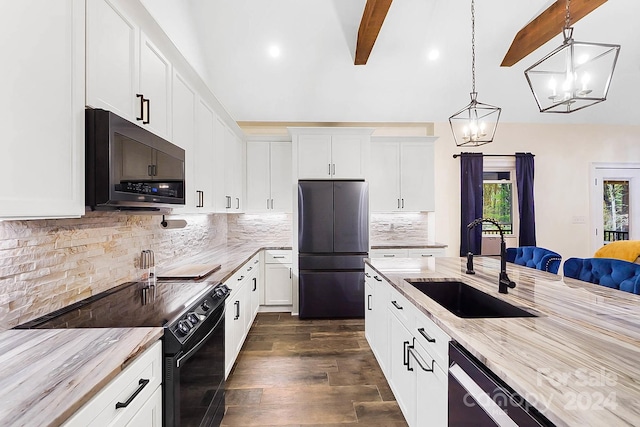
{"type": "Point", "coordinates": [42, 161]}
{"type": "Point", "coordinates": [183, 124]}
{"type": "Point", "coordinates": [204, 156]}
{"type": "Point", "coordinates": [331, 153]}
{"type": "Point", "coordinates": [155, 87]}
{"type": "Point", "coordinates": [269, 181]}
{"type": "Point", "coordinates": [402, 174]}
{"type": "Point", "coordinates": [234, 172]}
{"type": "Point", "coordinates": [126, 73]}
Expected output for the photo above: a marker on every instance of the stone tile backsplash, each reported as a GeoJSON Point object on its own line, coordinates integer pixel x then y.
{"type": "Point", "coordinates": [399, 228]}
{"type": "Point", "coordinates": [48, 264]}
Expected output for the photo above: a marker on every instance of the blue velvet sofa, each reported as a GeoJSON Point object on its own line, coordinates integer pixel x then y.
{"type": "Point", "coordinates": [535, 257]}
{"type": "Point", "coordinates": [609, 272]}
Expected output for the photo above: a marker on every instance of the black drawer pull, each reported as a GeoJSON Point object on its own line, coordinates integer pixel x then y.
{"type": "Point", "coordinates": [369, 302]}
{"type": "Point", "coordinates": [396, 305]}
{"type": "Point", "coordinates": [367, 275]}
{"type": "Point", "coordinates": [424, 334]}
{"type": "Point", "coordinates": [141, 384]}
{"type": "Point", "coordinates": [240, 278]}
{"type": "Point", "coordinates": [377, 278]}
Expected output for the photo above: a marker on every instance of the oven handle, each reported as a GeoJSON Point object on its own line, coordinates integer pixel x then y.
{"type": "Point", "coordinates": [200, 344]}
{"type": "Point", "coordinates": [480, 397]}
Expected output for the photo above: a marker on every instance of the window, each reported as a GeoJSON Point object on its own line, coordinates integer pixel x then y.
{"type": "Point", "coordinates": [497, 202]}
{"type": "Point", "coordinates": [615, 210]}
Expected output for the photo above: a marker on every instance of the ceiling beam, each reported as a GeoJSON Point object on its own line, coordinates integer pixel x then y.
{"type": "Point", "coordinates": [546, 26]}
{"type": "Point", "coordinates": [375, 11]}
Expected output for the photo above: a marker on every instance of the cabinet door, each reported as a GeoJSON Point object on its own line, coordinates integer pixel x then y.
{"type": "Point", "coordinates": [234, 327]}
{"type": "Point", "coordinates": [155, 86]}
{"type": "Point", "coordinates": [384, 180]}
{"type": "Point", "coordinates": [234, 171]}
{"type": "Point", "coordinates": [431, 392]}
{"type": "Point", "coordinates": [183, 129]}
{"type": "Point", "coordinates": [112, 70]}
{"type": "Point", "coordinates": [381, 324]}
{"type": "Point", "coordinates": [204, 156]}
{"type": "Point", "coordinates": [314, 157]}
{"type": "Point", "coordinates": [417, 176]}
{"type": "Point", "coordinates": [369, 328]}
{"type": "Point", "coordinates": [403, 381]}
{"type": "Point", "coordinates": [150, 415]}
{"type": "Point", "coordinates": [258, 177]}
{"type": "Point", "coordinates": [277, 284]}
{"type": "Point", "coordinates": [41, 109]}
{"type": "Point", "coordinates": [221, 201]}
{"type": "Point", "coordinates": [281, 181]}
{"type": "Point", "coordinates": [254, 288]}
{"type": "Point", "coordinates": [346, 156]}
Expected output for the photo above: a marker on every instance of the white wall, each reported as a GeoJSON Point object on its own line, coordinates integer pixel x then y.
{"type": "Point", "coordinates": [564, 154]}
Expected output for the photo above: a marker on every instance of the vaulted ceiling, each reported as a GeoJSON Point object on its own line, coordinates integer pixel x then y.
{"type": "Point", "coordinates": [293, 60]}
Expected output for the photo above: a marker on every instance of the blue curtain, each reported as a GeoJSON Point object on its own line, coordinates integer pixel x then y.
{"type": "Point", "coordinates": [470, 201]}
{"type": "Point", "coordinates": [524, 178]}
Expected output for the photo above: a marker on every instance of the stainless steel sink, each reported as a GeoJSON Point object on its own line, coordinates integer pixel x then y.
{"type": "Point", "coordinates": [468, 302]}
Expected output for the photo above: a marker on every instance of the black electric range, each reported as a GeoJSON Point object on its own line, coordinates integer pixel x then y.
{"type": "Point", "coordinates": [192, 315]}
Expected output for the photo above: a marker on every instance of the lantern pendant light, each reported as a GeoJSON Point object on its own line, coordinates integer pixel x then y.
{"type": "Point", "coordinates": [574, 76]}
{"type": "Point", "coordinates": [476, 123]}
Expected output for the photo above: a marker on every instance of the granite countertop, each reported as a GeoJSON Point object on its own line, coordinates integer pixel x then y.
{"type": "Point", "coordinates": [412, 244]}
{"type": "Point", "coordinates": [48, 374]}
{"type": "Point", "coordinates": [578, 362]}
{"type": "Point", "coordinates": [230, 257]}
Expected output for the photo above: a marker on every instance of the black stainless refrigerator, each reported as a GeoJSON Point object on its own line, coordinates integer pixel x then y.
{"type": "Point", "coordinates": [333, 240]}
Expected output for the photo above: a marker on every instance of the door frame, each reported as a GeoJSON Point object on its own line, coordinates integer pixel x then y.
{"type": "Point", "coordinates": [595, 199]}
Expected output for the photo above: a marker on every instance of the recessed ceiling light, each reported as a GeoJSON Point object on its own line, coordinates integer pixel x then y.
{"type": "Point", "coordinates": [274, 51]}
{"type": "Point", "coordinates": [433, 54]}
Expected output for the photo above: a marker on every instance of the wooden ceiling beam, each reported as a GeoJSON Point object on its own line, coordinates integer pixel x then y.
{"type": "Point", "coordinates": [375, 11]}
{"type": "Point", "coordinates": [546, 26]}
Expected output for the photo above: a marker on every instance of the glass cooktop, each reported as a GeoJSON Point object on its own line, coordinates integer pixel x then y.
{"type": "Point", "coordinates": [127, 305]}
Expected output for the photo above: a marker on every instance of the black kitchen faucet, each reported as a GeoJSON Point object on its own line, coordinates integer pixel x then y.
{"type": "Point", "coordinates": [504, 283]}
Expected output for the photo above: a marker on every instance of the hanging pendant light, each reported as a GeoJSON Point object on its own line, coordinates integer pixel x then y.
{"type": "Point", "coordinates": [574, 76]}
{"type": "Point", "coordinates": [476, 123]}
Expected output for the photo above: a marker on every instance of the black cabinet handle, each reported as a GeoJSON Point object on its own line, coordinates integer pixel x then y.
{"type": "Point", "coordinates": [150, 170]}
{"type": "Point", "coordinates": [255, 284]}
{"type": "Point", "coordinates": [145, 100]}
{"type": "Point", "coordinates": [237, 203]}
{"type": "Point", "coordinates": [141, 384]}
{"type": "Point", "coordinates": [415, 355]}
{"type": "Point", "coordinates": [405, 353]}
{"type": "Point", "coordinates": [377, 278]}
{"type": "Point", "coordinates": [369, 302]}
{"type": "Point", "coordinates": [290, 274]}
{"type": "Point", "coordinates": [237, 304]}
{"type": "Point", "coordinates": [228, 206]}
{"type": "Point", "coordinates": [240, 278]}
{"type": "Point", "coordinates": [367, 275]}
{"type": "Point", "coordinates": [396, 305]}
{"type": "Point", "coordinates": [424, 334]}
{"type": "Point", "coordinates": [141, 96]}
{"type": "Point", "coordinates": [250, 268]}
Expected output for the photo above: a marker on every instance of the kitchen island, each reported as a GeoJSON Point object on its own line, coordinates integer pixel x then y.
{"type": "Point", "coordinates": [577, 362]}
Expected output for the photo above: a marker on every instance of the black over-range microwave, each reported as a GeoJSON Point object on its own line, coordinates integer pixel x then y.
{"type": "Point", "coordinates": [130, 168]}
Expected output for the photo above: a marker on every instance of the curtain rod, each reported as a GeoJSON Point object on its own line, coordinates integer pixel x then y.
{"type": "Point", "coordinates": [455, 156]}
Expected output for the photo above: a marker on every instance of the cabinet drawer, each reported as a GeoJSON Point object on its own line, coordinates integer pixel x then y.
{"type": "Point", "coordinates": [144, 374]}
{"type": "Point", "coordinates": [434, 340]}
{"type": "Point", "coordinates": [388, 253]}
{"type": "Point", "coordinates": [402, 308]}
{"type": "Point", "coordinates": [426, 252]}
{"type": "Point", "coordinates": [272, 256]}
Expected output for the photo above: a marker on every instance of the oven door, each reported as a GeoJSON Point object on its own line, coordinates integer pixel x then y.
{"type": "Point", "coordinates": [194, 378]}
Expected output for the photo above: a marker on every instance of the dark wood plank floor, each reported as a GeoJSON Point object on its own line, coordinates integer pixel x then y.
{"type": "Point", "coordinates": [294, 372]}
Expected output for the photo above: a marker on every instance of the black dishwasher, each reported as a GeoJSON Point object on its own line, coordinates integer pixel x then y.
{"type": "Point", "coordinates": [477, 398]}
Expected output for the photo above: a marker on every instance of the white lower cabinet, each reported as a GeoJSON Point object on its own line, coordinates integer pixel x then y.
{"type": "Point", "coordinates": [411, 350]}
{"type": "Point", "coordinates": [407, 253]}
{"type": "Point", "coordinates": [133, 398]}
{"type": "Point", "coordinates": [278, 278]}
{"type": "Point", "coordinates": [240, 309]}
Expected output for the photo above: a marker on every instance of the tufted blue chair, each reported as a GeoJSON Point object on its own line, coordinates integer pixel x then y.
{"type": "Point", "coordinates": [609, 272]}
{"type": "Point", "coordinates": [535, 257]}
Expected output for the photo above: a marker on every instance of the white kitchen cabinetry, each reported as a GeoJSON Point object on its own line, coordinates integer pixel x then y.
{"type": "Point", "coordinates": [204, 157]}
{"type": "Point", "coordinates": [126, 73]}
{"type": "Point", "coordinates": [278, 278]}
{"type": "Point", "coordinates": [412, 352]}
{"type": "Point", "coordinates": [402, 175]}
{"type": "Point", "coordinates": [234, 171]}
{"type": "Point", "coordinates": [42, 161]}
{"type": "Point", "coordinates": [407, 253]}
{"type": "Point", "coordinates": [269, 184]}
{"type": "Point", "coordinates": [184, 131]}
{"type": "Point", "coordinates": [325, 154]}
{"type": "Point", "coordinates": [142, 380]}
{"type": "Point", "coordinates": [240, 308]}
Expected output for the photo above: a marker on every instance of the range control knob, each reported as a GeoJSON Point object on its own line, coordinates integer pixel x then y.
{"type": "Point", "coordinates": [193, 318]}
{"type": "Point", "coordinates": [184, 327]}
{"type": "Point", "coordinates": [205, 306]}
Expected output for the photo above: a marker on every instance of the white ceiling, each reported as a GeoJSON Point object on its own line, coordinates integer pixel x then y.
{"type": "Point", "coordinates": [314, 78]}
